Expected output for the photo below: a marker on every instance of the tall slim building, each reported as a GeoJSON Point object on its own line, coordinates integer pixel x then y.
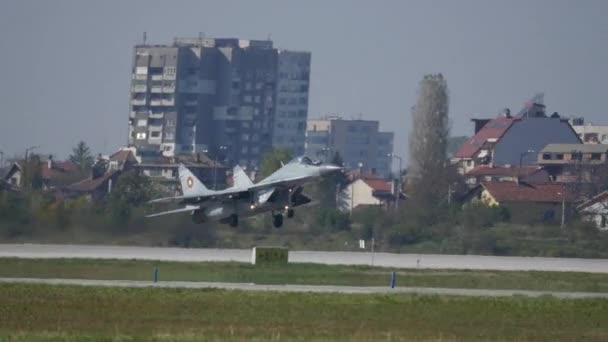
{"type": "Point", "coordinates": [230, 98]}
{"type": "Point", "coordinates": [360, 143]}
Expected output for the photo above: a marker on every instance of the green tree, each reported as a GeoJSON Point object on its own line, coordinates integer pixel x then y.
{"type": "Point", "coordinates": [273, 160]}
{"type": "Point", "coordinates": [32, 173]}
{"type": "Point", "coordinates": [428, 167]}
{"type": "Point", "coordinates": [81, 156]}
{"type": "Point", "coordinates": [131, 191]}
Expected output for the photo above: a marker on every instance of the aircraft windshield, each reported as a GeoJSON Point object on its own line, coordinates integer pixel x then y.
{"type": "Point", "coordinates": [302, 160]}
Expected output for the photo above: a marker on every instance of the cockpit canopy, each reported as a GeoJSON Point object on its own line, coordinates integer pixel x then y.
{"type": "Point", "coordinates": [304, 160]}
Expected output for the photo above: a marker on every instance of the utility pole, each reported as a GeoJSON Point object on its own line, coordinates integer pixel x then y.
{"type": "Point", "coordinates": [398, 192]}
{"type": "Point", "coordinates": [563, 222]}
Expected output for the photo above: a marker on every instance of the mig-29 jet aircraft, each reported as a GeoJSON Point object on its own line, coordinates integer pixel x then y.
{"type": "Point", "coordinates": [278, 193]}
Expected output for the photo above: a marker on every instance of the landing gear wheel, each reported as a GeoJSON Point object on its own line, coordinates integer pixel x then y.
{"type": "Point", "coordinates": [290, 213]}
{"type": "Point", "coordinates": [277, 220]}
{"type": "Point", "coordinates": [234, 220]}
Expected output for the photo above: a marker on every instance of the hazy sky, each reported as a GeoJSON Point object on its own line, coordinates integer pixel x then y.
{"type": "Point", "coordinates": [65, 65]}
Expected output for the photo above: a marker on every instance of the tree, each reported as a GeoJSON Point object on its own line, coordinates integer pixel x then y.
{"type": "Point", "coordinates": [330, 184]}
{"type": "Point", "coordinates": [81, 156]}
{"type": "Point", "coordinates": [32, 173]}
{"type": "Point", "coordinates": [428, 167]}
{"type": "Point", "coordinates": [273, 159]}
{"type": "Point", "coordinates": [131, 191]}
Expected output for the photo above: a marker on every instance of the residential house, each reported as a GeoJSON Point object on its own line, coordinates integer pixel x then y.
{"type": "Point", "coordinates": [576, 163]}
{"type": "Point", "coordinates": [13, 175]}
{"type": "Point", "coordinates": [590, 133]}
{"type": "Point", "coordinates": [528, 174]}
{"type": "Point", "coordinates": [55, 174]}
{"type": "Point", "coordinates": [164, 170]}
{"type": "Point", "coordinates": [596, 210]}
{"type": "Point", "coordinates": [527, 202]}
{"type": "Point", "coordinates": [94, 188]}
{"type": "Point", "coordinates": [367, 190]}
{"type": "Point", "coordinates": [507, 140]}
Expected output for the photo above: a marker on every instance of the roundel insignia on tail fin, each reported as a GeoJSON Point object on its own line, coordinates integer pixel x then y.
{"type": "Point", "coordinates": [189, 182]}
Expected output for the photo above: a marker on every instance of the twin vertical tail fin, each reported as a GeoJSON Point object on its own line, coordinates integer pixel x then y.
{"type": "Point", "coordinates": [240, 178]}
{"type": "Point", "coordinates": [191, 186]}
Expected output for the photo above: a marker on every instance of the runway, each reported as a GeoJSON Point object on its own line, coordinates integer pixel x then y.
{"type": "Point", "coordinates": [305, 288]}
{"type": "Point", "coordinates": [389, 260]}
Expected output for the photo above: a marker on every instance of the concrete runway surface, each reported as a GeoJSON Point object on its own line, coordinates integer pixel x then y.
{"type": "Point", "coordinates": [305, 288]}
{"type": "Point", "coordinates": [390, 260]}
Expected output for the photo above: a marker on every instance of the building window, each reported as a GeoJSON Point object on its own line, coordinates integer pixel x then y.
{"type": "Point", "coordinates": [596, 156]}
{"type": "Point", "coordinates": [169, 70]}
{"type": "Point", "coordinates": [559, 156]}
{"type": "Point", "coordinates": [141, 136]}
{"type": "Point", "coordinates": [155, 134]}
{"type": "Point", "coordinates": [169, 136]}
{"type": "Point", "coordinates": [142, 123]}
{"type": "Point", "coordinates": [170, 123]}
{"type": "Point", "coordinates": [546, 156]}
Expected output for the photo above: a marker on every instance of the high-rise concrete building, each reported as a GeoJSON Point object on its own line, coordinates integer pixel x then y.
{"type": "Point", "coordinates": [218, 96]}
{"type": "Point", "coordinates": [292, 101]}
{"type": "Point", "coordinates": [359, 143]}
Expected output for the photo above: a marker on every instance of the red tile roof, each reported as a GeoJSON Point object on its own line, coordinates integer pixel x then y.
{"type": "Point", "coordinates": [58, 168]}
{"type": "Point", "coordinates": [492, 130]}
{"type": "Point", "coordinates": [90, 184]}
{"type": "Point", "coordinates": [524, 192]}
{"type": "Point", "coordinates": [485, 170]}
{"type": "Point", "coordinates": [378, 184]}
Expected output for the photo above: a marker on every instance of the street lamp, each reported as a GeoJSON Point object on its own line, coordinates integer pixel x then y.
{"type": "Point", "coordinates": [392, 155]}
{"type": "Point", "coordinates": [521, 157]}
{"type": "Point", "coordinates": [26, 163]}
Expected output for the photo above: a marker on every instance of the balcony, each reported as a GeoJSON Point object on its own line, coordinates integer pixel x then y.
{"type": "Point", "coordinates": [156, 102]}
{"type": "Point", "coordinates": [169, 89]}
{"type": "Point", "coordinates": [138, 102]}
{"type": "Point", "coordinates": [156, 89]}
{"type": "Point", "coordinates": [139, 88]}
{"type": "Point", "coordinates": [157, 115]}
{"type": "Point", "coordinates": [169, 77]}
{"type": "Point", "coordinates": [157, 77]}
{"type": "Point", "coordinates": [140, 77]}
{"type": "Point", "coordinates": [170, 102]}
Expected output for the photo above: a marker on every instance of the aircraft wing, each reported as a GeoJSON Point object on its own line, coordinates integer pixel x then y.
{"type": "Point", "coordinates": [176, 211]}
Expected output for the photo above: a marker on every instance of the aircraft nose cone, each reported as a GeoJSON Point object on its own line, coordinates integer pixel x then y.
{"type": "Point", "coordinates": [325, 169]}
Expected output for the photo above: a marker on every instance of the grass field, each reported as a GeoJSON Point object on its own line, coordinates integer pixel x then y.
{"type": "Point", "coordinates": [41, 312]}
{"type": "Point", "coordinates": [299, 274]}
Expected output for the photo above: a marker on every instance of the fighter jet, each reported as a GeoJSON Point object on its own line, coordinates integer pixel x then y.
{"type": "Point", "coordinates": [278, 193]}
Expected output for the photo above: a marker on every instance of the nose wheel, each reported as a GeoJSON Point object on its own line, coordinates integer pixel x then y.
{"type": "Point", "coordinates": [234, 220]}
{"type": "Point", "coordinates": [277, 220]}
{"type": "Point", "coordinates": [290, 213]}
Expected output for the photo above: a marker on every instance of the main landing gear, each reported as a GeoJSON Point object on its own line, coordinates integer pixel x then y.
{"type": "Point", "coordinates": [277, 220]}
